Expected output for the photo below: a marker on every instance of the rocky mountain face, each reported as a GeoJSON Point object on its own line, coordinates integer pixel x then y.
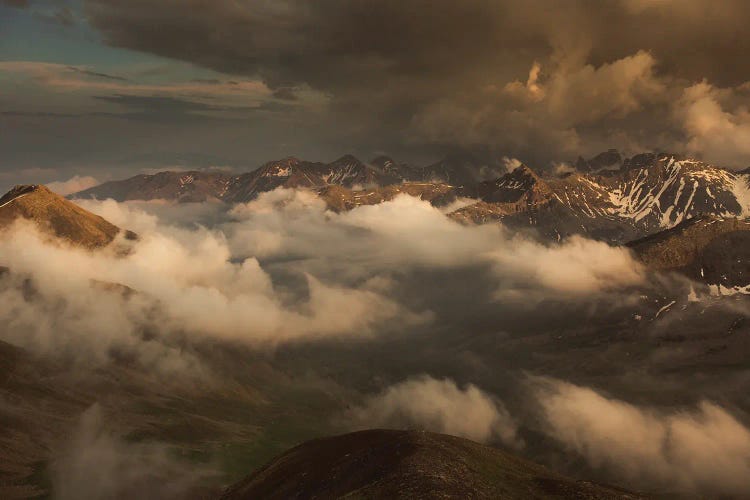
{"type": "Point", "coordinates": [608, 160]}
{"type": "Point", "coordinates": [194, 186]}
{"type": "Point", "coordinates": [57, 217]}
{"type": "Point", "coordinates": [347, 171]}
{"type": "Point", "coordinates": [339, 198]}
{"type": "Point", "coordinates": [647, 194]}
{"type": "Point", "coordinates": [707, 249]}
{"type": "Point", "coordinates": [408, 464]}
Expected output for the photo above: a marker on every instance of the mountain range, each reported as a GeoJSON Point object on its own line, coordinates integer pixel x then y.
{"type": "Point", "coordinates": [675, 213]}
{"type": "Point", "coordinates": [347, 171]}
{"type": "Point", "coordinates": [606, 197]}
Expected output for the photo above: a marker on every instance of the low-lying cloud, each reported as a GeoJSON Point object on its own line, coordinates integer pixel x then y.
{"type": "Point", "coordinates": [96, 463]}
{"type": "Point", "coordinates": [439, 405]}
{"type": "Point", "coordinates": [407, 231]}
{"type": "Point", "coordinates": [73, 185]}
{"type": "Point", "coordinates": [279, 269]}
{"type": "Point", "coordinates": [705, 449]}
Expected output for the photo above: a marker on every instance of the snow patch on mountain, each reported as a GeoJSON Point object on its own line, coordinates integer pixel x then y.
{"type": "Point", "coordinates": [740, 188]}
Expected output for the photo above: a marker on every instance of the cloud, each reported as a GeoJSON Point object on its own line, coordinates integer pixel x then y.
{"type": "Point", "coordinates": [705, 449]}
{"type": "Point", "coordinates": [280, 269]}
{"type": "Point", "coordinates": [409, 232]}
{"type": "Point", "coordinates": [97, 463]}
{"type": "Point", "coordinates": [578, 265]}
{"type": "Point", "coordinates": [77, 87]}
{"type": "Point", "coordinates": [716, 122]}
{"type": "Point", "coordinates": [187, 283]}
{"type": "Point", "coordinates": [542, 81]}
{"type": "Point", "coordinates": [551, 109]}
{"type": "Point", "coordinates": [432, 45]}
{"type": "Point", "coordinates": [72, 185]}
{"type": "Point", "coordinates": [439, 405]}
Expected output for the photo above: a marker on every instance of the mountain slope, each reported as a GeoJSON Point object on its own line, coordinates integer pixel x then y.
{"type": "Point", "coordinates": [408, 464]}
{"type": "Point", "coordinates": [347, 171]}
{"type": "Point", "coordinates": [56, 216]}
{"type": "Point", "coordinates": [649, 193]}
{"type": "Point", "coordinates": [608, 160]}
{"type": "Point", "coordinates": [194, 186]}
{"type": "Point", "coordinates": [339, 198]}
{"type": "Point", "coordinates": [712, 250]}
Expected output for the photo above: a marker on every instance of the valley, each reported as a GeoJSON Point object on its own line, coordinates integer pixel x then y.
{"type": "Point", "coordinates": [670, 337]}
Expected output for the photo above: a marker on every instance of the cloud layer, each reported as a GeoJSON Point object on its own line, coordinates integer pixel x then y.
{"type": "Point", "coordinates": [600, 72]}
{"type": "Point", "coordinates": [541, 81]}
{"type": "Point", "coordinates": [97, 463]}
{"type": "Point", "coordinates": [439, 406]}
{"type": "Point", "coordinates": [279, 269]}
{"type": "Point", "coordinates": [704, 449]}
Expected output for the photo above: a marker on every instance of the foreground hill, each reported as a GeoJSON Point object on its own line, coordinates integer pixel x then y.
{"type": "Point", "coordinates": [408, 464]}
{"type": "Point", "coordinates": [56, 216]}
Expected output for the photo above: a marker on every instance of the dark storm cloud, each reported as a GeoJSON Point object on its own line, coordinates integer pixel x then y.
{"type": "Point", "coordinates": [445, 73]}
{"type": "Point", "coordinates": [294, 39]}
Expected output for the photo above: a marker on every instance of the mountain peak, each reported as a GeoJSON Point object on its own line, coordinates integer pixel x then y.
{"type": "Point", "coordinates": [521, 185]}
{"type": "Point", "coordinates": [523, 169]}
{"type": "Point", "coordinates": [382, 161]}
{"type": "Point", "coordinates": [287, 160]}
{"type": "Point", "coordinates": [20, 190]}
{"type": "Point", "coordinates": [609, 159]}
{"type": "Point", "coordinates": [346, 159]}
{"type": "Point", "coordinates": [57, 216]}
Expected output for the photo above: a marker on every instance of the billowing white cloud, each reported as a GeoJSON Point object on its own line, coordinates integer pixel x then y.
{"type": "Point", "coordinates": [97, 463]}
{"type": "Point", "coordinates": [410, 232]}
{"type": "Point", "coordinates": [705, 449]}
{"type": "Point", "coordinates": [575, 266]}
{"type": "Point", "coordinates": [216, 282]}
{"type": "Point", "coordinates": [716, 122]}
{"type": "Point", "coordinates": [185, 281]}
{"type": "Point", "coordinates": [72, 185]}
{"type": "Point", "coordinates": [439, 406]}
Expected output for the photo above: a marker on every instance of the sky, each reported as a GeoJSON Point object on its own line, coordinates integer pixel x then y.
{"type": "Point", "coordinates": [107, 88]}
